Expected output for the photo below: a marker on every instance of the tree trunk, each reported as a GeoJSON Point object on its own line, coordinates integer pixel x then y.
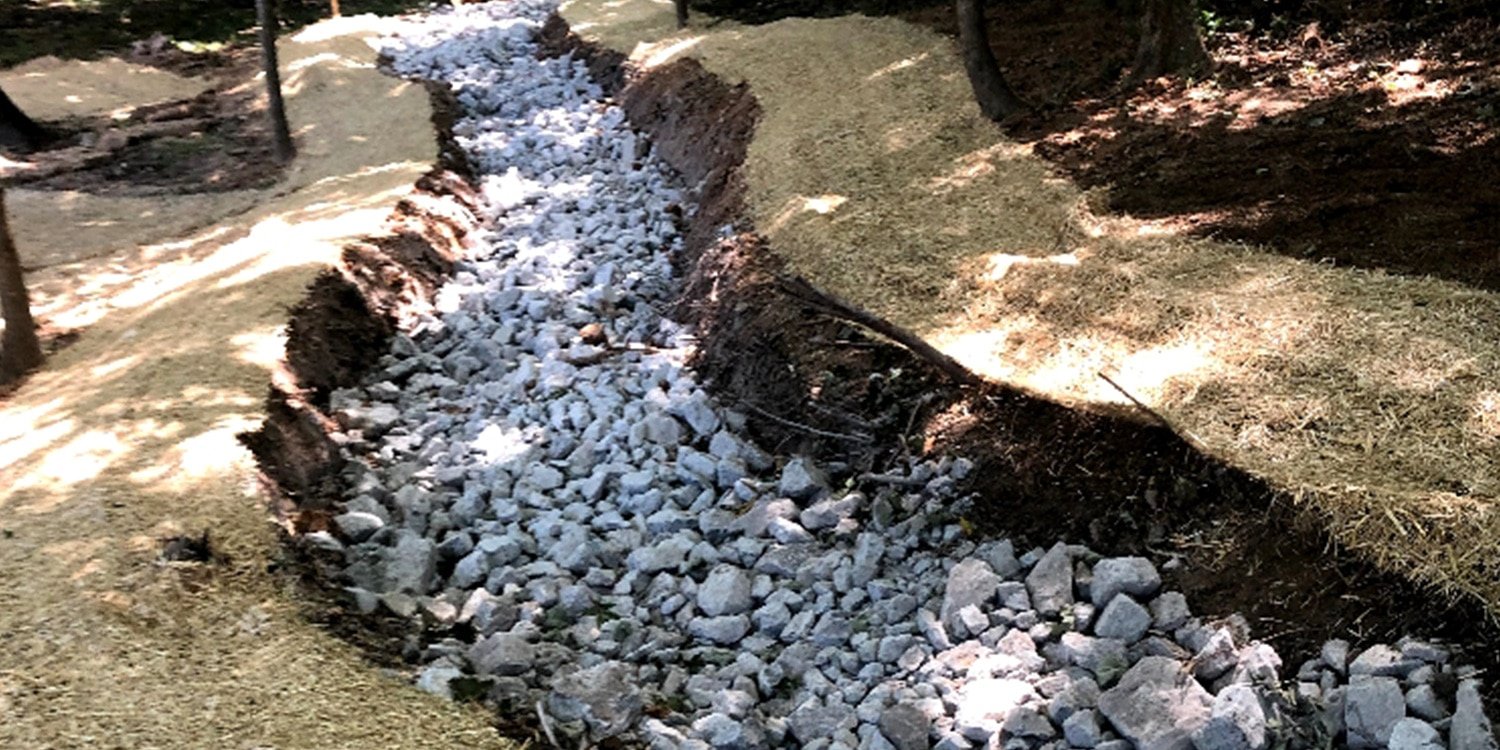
{"type": "Point", "coordinates": [682, 13]}
{"type": "Point", "coordinates": [16, 129]}
{"type": "Point", "coordinates": [20, 351]}
{"type": "Point", "coordinates": [996, 100]}
{"type": "Point", "coordinates": [265, 16]}
{"type": "Point", "coordinates": [1170, 43]}
{"type": "Point", "coordinates": [334, 6]}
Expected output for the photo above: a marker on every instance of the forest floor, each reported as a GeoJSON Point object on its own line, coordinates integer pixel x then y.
{"type": "Point", "coordinates": [120, 456]}
{"type": "Point", "coordinates": [1373, 147]}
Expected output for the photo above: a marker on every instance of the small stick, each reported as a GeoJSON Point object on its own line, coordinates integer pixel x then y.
{"type": "Point", "coordinates": [799, 426]}
{"type": "Point", "coordinates": [895, 479]}
{"type": "Point", "coordinates": [800, 288]}
{"type": "Point", "coordinates": [1158, 416]}
{"type": "Point", "coordinates": [541, 716]}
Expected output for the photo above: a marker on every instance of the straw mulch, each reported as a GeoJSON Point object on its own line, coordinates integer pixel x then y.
{"type": "Point", "coordinates": [127, 438]}
{"type": "Point", "coordinates": [1372, 400]}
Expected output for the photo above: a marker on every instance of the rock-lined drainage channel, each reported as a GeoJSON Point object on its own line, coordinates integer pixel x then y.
{"type": "Point", "coordinates": [589, 537]}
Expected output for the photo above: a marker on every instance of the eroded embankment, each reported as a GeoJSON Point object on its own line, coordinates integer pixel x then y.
{"type": "Point", "coordinates": [812, 383]}
{"type": "Point", "coordinates": [345, 323]}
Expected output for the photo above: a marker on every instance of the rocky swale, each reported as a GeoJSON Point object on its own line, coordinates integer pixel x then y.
{"type": "Point", "coordinates": [589, 537]}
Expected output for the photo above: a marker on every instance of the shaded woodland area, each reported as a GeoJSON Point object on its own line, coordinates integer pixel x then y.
{"type": "Point", "coordinates": [1358, 134]}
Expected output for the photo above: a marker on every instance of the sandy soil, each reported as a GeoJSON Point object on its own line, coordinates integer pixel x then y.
{"type": "Point", "coordinates": [1373, 398]}
{"type": "Point", "coordinates": [127, 437]}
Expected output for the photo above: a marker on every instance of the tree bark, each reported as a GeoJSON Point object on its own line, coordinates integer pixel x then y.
{"type": "Point", "coordinates": [20, 351]}
{"type": "Point", "coordinates": [334, 6]}
{"type": "Point", "coordinates": [16, 129]}
{"type": "Point", "coordinates": [682, 13]}
{"type": "Point", "coordinates": [1170, 43]}
{"type": "Point", "coordinates": [265, 17]}
{"type": "Point", "coordinates": [996, 99]}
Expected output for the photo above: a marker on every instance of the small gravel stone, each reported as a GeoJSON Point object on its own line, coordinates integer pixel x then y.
{"type": "Point", "coordinates": [1050, 582]}
{"type": "Point", "coordinates": [1124, 619]}
{"type": "Point", "coordinates": [1470, 729]}
{"type": "Point", "coordinates": [1415, 734]}
{"type": "Point", "coordinates": [1236, 722]}
{"type": "Point", "coordinates": [1135, 576]}
{"type": "Point", "coordinates": [1372, 706]}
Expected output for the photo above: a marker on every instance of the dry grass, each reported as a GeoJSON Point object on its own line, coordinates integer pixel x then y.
{"type": "Point", "coordinates": [128, 436]}
{"type": "Point", "coordinates": [1372, 399]}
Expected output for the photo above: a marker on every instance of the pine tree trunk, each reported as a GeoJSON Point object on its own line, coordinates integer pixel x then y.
{"type": "Point", "coordinates": [20, 351]}
{"type": "Point", "coordinates": [1170, 43]}
{"type": "Point", "coordinates": [16, 129]}
{"type": "Point", "coordinates": [334, 6]}
{"type": "Point", "coordinates": [682, 13]}
{"type": "Point", "coordinates": [281, 134]}
{"type": "Point", "coordinates": [996, 100]}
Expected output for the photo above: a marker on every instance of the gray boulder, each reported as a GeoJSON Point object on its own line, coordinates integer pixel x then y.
{"type": "Point", "coordinates": [801, 479]}
{"type": "Point", "coordinates": [1129, 575]}
{"type": "Point", "coordinates": [502, 654]}
{"type": "Point", "coordinates": [813, 720]}
{"type": "Point", "coordinates": [411, 564]}
{"type": "Point", "coordinates": [1123, 619]}
{"type": "Point", "coordinates": [1470, 729]}
{"type": "Point", "coordinates": [970, 583]}
{"type": "Point", "coordinates": [604, 697]}
{"type": "Point", "coordinates": [905, 726]}
{"type": "Point", "coordinates": [726, 591]}
{"type": "Point", "coordinates": [1415, 734]}
{"type": "Point", "coordinates": [1050, 581]}
{"type": "Point", "coordinates": [1236, 722]}
{"type": "Point", "coordinates": [1157, 705]}
{"type": "Point", "coordinates": [1372, 706]}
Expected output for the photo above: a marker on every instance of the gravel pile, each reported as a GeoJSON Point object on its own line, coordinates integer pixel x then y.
{"type": "Point", "coordinates": [591, 538]}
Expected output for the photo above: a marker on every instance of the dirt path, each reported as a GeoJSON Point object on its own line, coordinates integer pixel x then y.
{"type": "Point", "coordinates": [128, 437]}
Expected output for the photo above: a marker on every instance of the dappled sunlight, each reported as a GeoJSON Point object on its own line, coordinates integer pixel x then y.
{"type": "Point", "coordinates": [821, 205]}
{"type": "Point", "coordinates": [215, 452]}
{"type": "Point", "coordinates": [79, 460]}
{"type": "Point", "coordinates": [977, 164]}
{"type": "Point", "coordinates": [48, 88]}
{"type": "Point", "coordinates": [127, 437]}
{"type": "Point", "coordinates": [1484, 418]}
{"type": "Point", "coordinates": [656, 55]}
{"type": "Point", "coordinates": [263, 349]}
{"type": "Point", "coordinates": [903, 64]}
{"type": "Point", "coordinates": [1000, 264]}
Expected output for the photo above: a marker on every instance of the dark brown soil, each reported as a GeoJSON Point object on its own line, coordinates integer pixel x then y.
{"type": "Point", "coordinates": [809, 383]}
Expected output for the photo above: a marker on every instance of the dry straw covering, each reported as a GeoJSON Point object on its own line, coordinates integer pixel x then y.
{"type": "Point", "coordinates": [1372, 400]}
{"type": "Point", "coordinates": [127, 437]}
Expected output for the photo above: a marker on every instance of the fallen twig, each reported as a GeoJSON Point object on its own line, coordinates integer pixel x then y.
{"type": "Point", "coordinates": [1160, 418]}
{"type": "Point", "coordinates": [798, 287]}
{"type": "Point", "coordinates": [541, 715]}
{"type": "Point", "coordinates": [854, 438]}
{"type": "Point", "coordinates": [895, 479]}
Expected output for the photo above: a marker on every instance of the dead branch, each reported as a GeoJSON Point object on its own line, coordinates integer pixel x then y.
{"type": "Point", "coordinates": [853, 438]}
{"type": "Point", "coordinates": [1160, 418]}
{"type": "Point", "coordinates": [827, 303]}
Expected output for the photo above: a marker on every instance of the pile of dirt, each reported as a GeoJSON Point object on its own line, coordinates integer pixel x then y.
{"type": "Point", "coordinates": [813, 383]}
